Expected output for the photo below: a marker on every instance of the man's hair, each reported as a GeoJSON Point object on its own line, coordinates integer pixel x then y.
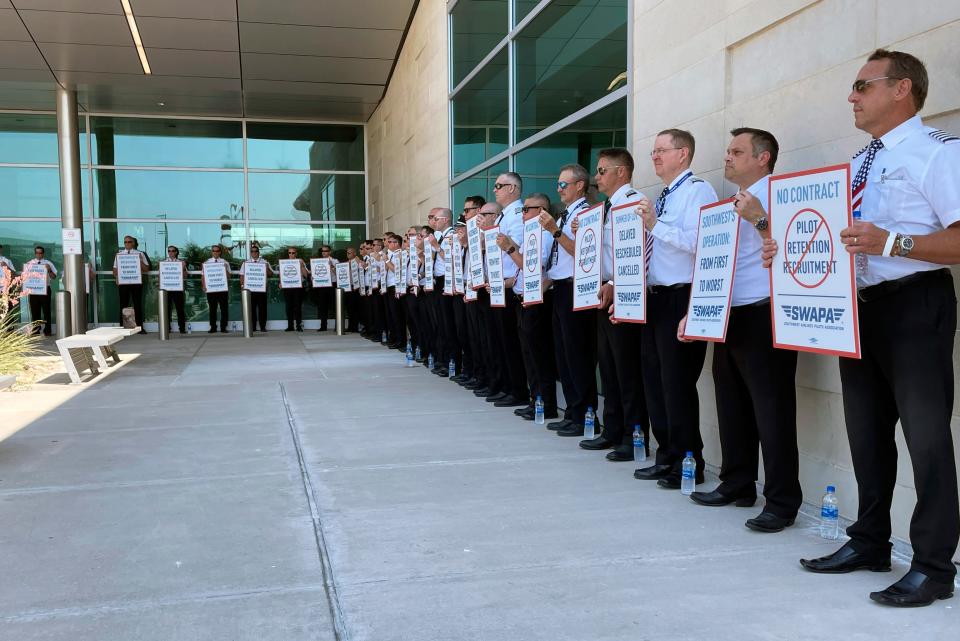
{"type": "Point", "coordinates": [542, 197]}
{"type": "Point", "coordinates": [902, 65]}
{"type": "Point", "coordinates": [325, 248]}
{"type": "Point", "coordinates": [619, 156]}
{"type": "Point", "coordinates": [579, 173]}
{"type": "Point", "coordinates": [428, 229]}
{"type": "Point", "coordinates": [40, 247]}
{"type": "Point", "coordinates": [682, 139]}
{"type": "Point", "coordinates": [177, 249]}
{"type": "Point", "coordinates": [761, 141]}
{"type": "Point", "coordinates": [515, 177]}
{"type": "Point", "coordinates": [476, 201]}
{"type": "Point", "coordinates": [216, 245]}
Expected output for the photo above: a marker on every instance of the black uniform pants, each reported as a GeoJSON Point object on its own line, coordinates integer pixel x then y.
{"type": "Point", "coordinates": [177, 300]}
{"type": "Point", "coordinates": [575, 347]}
{"type": "Point", "coordinates": [459, 308]}
{"type": "Point", "coordinates": [477, 333]}
{"type": "Point", "coordinates": [757, 410]}
{"type": "Point", "coordinates": [905, 373]}
{"type": "Point", "coordinates": [40, 311]}
{"type": "Point", "coordinates": [670, 373]}
{"type": "Point", "coordinates": [624, 404]}
{"type": "Point", "coordinates": [411, 303]}
{"type": "Point", "coordinates": [258, 304]}
{"type": "Point", "coordinates": [218, 300]}
{"type": "Point", "coordinates": [515, 374]}
{"type": "Point", "coordinates": [497, 376]}
{"type": "Point", "coordinates": [536, 330]}
{"type": "Point", "coordinates": [131, 296]}
{"type": "Point", "coordinates": [351, 301]}
{"type": "Point", "coordinates": [396, 310]}
{"type": "Point", "coordinates": [324, 303]}
{"type": "Point", "coordinates": [293, 302]}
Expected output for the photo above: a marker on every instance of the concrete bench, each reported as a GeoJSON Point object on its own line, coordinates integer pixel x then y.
{"type": "Point", "coordinates": [90, 351]}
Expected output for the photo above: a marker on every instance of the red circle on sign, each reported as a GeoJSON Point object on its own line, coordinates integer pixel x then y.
{"type": "Point", "coordinates": [531, 264]}
{"type": "Point", "coordinates": [821, 229]}
{"type": "Point", "coordinates": [589, 240]}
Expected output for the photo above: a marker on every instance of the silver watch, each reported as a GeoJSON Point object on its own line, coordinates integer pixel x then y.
{"type": "Point", "coordinates": [904, 245]}
{"type": "Point", "coordinates": [762, 223]}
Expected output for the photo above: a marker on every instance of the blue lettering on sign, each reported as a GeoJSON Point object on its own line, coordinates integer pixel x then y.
{"type": "Point", "coordinates": [812, 314]}
{"type": "Point", "coordinates": [707, 311]}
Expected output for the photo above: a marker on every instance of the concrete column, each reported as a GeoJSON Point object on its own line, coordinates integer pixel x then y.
{"type": "Point", "coordinates": [71, 204]}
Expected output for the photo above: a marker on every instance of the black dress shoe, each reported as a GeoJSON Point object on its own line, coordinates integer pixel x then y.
{"type": "Point", "coordinates": [619, 455]}
{"type": "Point", "coordinates": [510, 401]}
{"type": "Point", "coordinates": [442, 373]}
{"type": "Point", "coordinates": [846, 559]}
{"type": "Point", "coordinates": [289, 329]}
{"type": "Point", "coordinates": [481, 392]}
{"type": "Point", "coordinates": [559, 425]}
{"type": "Point", "coordinates": [212, 330]}
{"type": "Point", "coordinates": [573, 429]}
{"type": "Point", "coordinates": [717, 498]}
{"type": "Point", "coordinates": [523, 411]}
{"type": "Point", "coordinates": [499, 396]}
{"type": "Point", "coordinates": [768, 522]}
{"type": "Point", "coordinates": [652, 473]}
{"type": "Point", "coordinates": [599, 443]}
{"type": "Point", "coordinates": [914, 590]}
{"type": "Point", "coordinates": [672, 481]}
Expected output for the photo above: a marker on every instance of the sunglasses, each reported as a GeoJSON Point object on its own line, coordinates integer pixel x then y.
{"type": "Point", "coordinates": [603, 170]}
{"type": "Point", "coordinates": [171, 251]}
{"type": "Point", "coordinates": [531, 207]}
{"type": "Point", "coordinates": [499, 186]}
{"type": "Point", "coordinates": [859, 86]}
{"type": "Point", "coordinates": [466, 209]}
{"type": "Point", "coordinates": [562, 184]}
{"type": "Point", "coordinates": [128, 242]}
{"type": "Point", "coordinates": [215, 250]}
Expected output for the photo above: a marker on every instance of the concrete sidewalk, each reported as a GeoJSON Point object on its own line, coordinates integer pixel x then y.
{"type": "Point", "coordinates": [296, 487]}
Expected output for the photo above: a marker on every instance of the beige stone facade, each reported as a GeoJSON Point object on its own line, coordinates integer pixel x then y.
{"type": "Point", "coordinates": [709, 66]}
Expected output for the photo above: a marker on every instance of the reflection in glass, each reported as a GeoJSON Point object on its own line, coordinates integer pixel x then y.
{"type": "Point", "coordinates": [307, 197]}
{"type": "Point", "coordinates": [29, 192]}
{"type": "Point", "coordinates": [522, 8]}
{"type": "Point", "coordinates": [479, 184]}
{"type": "Point", "coordinates": [570, 55]}
{"type": "Point", "coordinates": [193, 239]}
{"type": "Point", "coordinates": [28, 138]}
{"type": "Point", "coordinates": [540, 164]}
{"type": "Point", "coordinates": [274, 239]}
{"type": "Point", "coordinates": [302, 146]}
{"type": "Point", "coordinates": [158, 142]}
{"type": "Point", "coordinates": [480, 116]}
{"type": "Point", "coordinates": [477, 26]}
{"type": "Point", "coordinates": [144, 193]}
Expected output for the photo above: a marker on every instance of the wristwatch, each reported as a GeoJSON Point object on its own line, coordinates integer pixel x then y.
{"type": "Point", "coordinates": [903, 245]}
{"type": "Point", "coordinates": [558, 233]}
{"type": "Point", "coordinates": [511, 250]}
{"type": "Point", "coordinates": [762, 223]}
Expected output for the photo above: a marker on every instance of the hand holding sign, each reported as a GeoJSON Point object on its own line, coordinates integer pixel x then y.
{"type": "Point", "coordinates": [547, 222]}
{"type": "Point", "coordinates": [864, 237]}
{"type": "Point", "coordinates": [768, 252]}
{"type": "Point", "coordinates": [749, 208]}
{"type": "Point", "coordinates": [648, 213]}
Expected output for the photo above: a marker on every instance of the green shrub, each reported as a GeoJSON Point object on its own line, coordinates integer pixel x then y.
{"type": "Point", "coordinates": [16, 343]}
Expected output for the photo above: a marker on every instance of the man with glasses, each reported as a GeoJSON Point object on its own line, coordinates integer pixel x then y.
{"type": "Point", "coordinates": [907, 184]}
{"type": "Point", "coordinates": [325, 295]}
{"type": "Point", "coordinates": [127, 294]}
{"type": "Point", "coordinates": [218, 300]}
{"type": "Point", "coordinates": [293, 295]}
{"type": "Point", "coordinates": [671, 368]}
{"type": "Point", "coordinates": [574, 333]}
{"type": "Point", "coordinates": [497, 377]}
{"type": "Point", "coordinates": [465, 315]}
{"type": "Point", "coordinates": [178, 298]}
{"type": "Point", "coordinates": [506, 191]}
{"type": "Point", "coordinates": [395, 307]}
{"type": "Point", "coordinates": [258, 300]}
{"type": "Point", "coordinates": [446, 346]}
{"type": "Point", "coordinates": [40, 304]}
{"type": "Point", "coordinates": [618, 350]}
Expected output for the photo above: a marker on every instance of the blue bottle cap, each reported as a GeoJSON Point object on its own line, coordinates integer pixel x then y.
{"type": "Point", "coordinates": [690, 454]}
{"type": "Point", "coordinates": [830, 488]}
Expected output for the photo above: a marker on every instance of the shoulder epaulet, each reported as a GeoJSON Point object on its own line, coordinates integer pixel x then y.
{"type": "Point", "coordinates": [631, 193]}
{"type": "Point", "coordinates": [696, 180]}
{"type": "Point", "coordinates": [943, 136]}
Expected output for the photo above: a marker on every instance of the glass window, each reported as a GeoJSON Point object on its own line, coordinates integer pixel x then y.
{"type": "Point", "coordinates": [480, 116]}
{"type": "Point", "coordinates": [196, 310]}
{"type": "Point", "coordinates": [479, 184]}
{"type": "Point", "coordinates": [295, 146]}
{"type": "Point", "coordinates": [28, 138]}
{"type": "Point", "coordinates": [274, 239]}
{"type": "Point", "coordinates": [307, 197]}
{"type": "Point", "coordinates": [29, 192]}
{"type": "Point", "coordinates": [522, 8]}
{"type": "Point", "coordinates": [193, 239]}
{"type": "Point", "coordinates": [477, 26]}
{"type": "Point", "coordinates": [130, 193]}
{"type": "Point", "coordinates": [571, 55]}
{"type": "Point", "coordinates": [158, 142]}
{"type": "Point", "coordinates": [539, 165]}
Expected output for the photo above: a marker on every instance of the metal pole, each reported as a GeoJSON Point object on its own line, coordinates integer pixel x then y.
{"type": "Point", "coordinates": [71, 208]}
{"type": "Point", "coordinates": [338, 319]}
{"type": "Point", "coordinates": [64, 319]}
{"type": "Point", "coordinates": [247, 308]}
{"type": "Point", "coordinates": [163, 311]}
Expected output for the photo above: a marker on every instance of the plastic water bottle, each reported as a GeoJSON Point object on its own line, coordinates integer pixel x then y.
{"type": "Point", "coordinates": [430, 362]}
{"type": "Point", "coordinates": [860, 260]}
{"type": "Point", "coordinates": [189, 328]}
{"type": "Point", "coordinates": [639, 444]}
{"type": "Point", "coordinates": [419, 354]}
{"type": "Point", "coordinates": [383, 337]}
{"type": "Point", "coordinates": [830, 515]}
{"type": "Point", "coordinates": [688, 475]}
{"type": "Point", "coordinates": [538, 411]}
{"type": "Point", "coordinates": [409, 355]}
{"type": "Point", "coordinates": [589, 431]}
{"type": "Point", "coordinates": [451, 369]}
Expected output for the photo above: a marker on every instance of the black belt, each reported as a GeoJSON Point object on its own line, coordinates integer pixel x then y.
{"type": "Point", "coordinates": [563, 281]}
{"type": "Point", "coordinates": [888, 287]}
{"type": "Point", "coordinates": [759, 303]}
{"type": "Point", "coordinates": [659, 289]}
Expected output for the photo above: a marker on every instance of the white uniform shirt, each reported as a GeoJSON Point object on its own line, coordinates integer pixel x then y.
{"type": "Point", "coordinates": [220, 260]}
{"type": "Point", "coordinates": [510, 221]}
{"type": "Point", "coordinates": [9, 263]}
{"type": "Point", "coordinates": [751, 282]}
{"type": "Point", "coordinates": [546, 238]}
{"type": "Point", "coordinates": [440, 264]}
{"type": "Point", "coordinates": [622, 196]}
{"type": "Point", "coordinates": [143, 257]}
{"type": "Point", "coordinates": [563, 267]}
{"type": "Point", "coordinates": [46, 262]}
{"type": "Point", "coordinates": [675, 234]}
{"type": "Point", "coordinates": [393, 257]}
{"type": "Point", "coordinates": [913, 188]}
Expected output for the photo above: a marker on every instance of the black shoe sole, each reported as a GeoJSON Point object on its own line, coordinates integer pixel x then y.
{"type": "Point", "coordinates": [766, 530]}
{"type": "Point", "coordinates": [741, 502]}
{"type": "Point", "coordinates": [879, 567]}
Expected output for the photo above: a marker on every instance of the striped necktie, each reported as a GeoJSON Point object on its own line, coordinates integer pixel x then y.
{"type": "Point", "coordinates": [660, 207]}
{"type": "Point", "coordinates": [860, 180]}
